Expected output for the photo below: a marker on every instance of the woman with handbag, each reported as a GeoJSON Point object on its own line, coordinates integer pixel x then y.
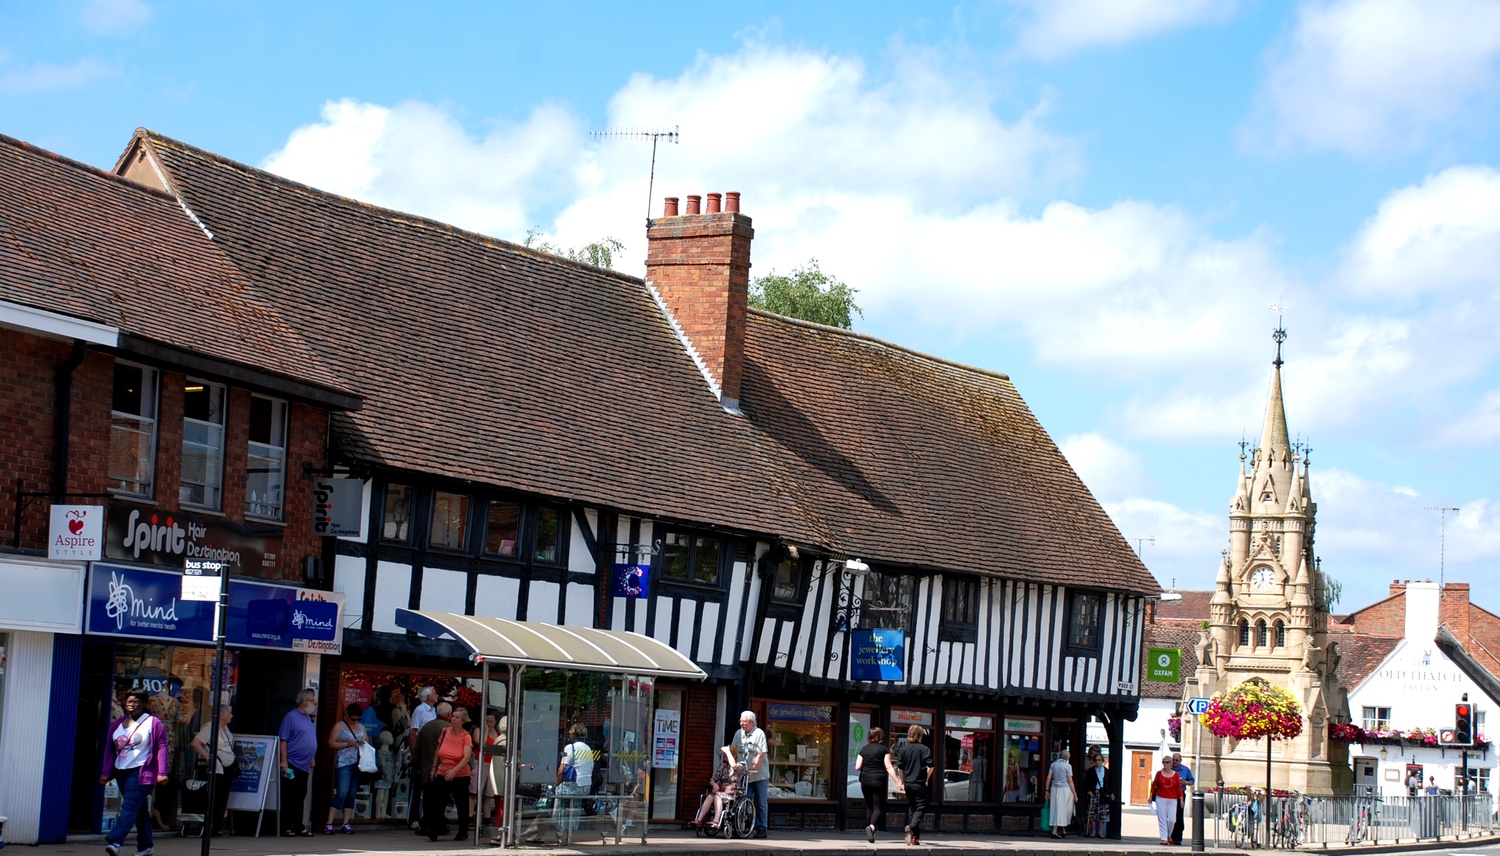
{"type": "Point", "coordinates": [346, 738]}
{"type": "Point", "coordinates": [226, 769]}
{"type": "Point", "coordinates": [138, 760]}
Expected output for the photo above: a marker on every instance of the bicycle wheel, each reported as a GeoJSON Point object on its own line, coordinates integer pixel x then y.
{"type": "Point", "coordinates": [744, 819]}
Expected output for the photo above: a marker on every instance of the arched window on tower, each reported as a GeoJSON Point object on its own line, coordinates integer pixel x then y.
{"type": "Point", "coordinates": [1244, 633]}
{"type": "Point", "coordinates": [1280, 635]}
{"type": "Point", "coordinates": [1260, 634]}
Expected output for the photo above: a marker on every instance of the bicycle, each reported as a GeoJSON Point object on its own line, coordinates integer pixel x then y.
{"type": "Point", "coordinates": [1361, 823]}
{"type": "Point", "coordinates": [1287, 822]}
{"type": "Point", "coordinates": [1244, 823]}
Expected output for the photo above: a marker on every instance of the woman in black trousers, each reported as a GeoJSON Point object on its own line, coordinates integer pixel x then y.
{"type": "Point", "coordinates": [915, 761]}
{"type": "Point", "coordinates": [875, 773]}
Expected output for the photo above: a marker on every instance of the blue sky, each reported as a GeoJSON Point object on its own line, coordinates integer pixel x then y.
{"type": "Point", "coordinates": [1100, 198]}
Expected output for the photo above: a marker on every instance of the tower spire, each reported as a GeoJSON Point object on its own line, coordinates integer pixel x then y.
{"type": "Point", "coordinates": [1274, 441]}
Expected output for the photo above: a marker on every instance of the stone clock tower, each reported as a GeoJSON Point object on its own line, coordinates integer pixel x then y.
{"type": "Point", "coordinates": [1269, 619]}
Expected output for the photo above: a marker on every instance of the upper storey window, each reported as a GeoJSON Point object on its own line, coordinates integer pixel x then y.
{"type": "Point", "coordinates": [202, 445]}
{"type": "Point", "coordinates": [132, 430]}
{"type": "Point", "coordinates": [265, 475]}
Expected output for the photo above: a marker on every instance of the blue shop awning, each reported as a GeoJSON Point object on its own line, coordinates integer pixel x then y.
{"type": "Point", "coordinates": [526, 643]}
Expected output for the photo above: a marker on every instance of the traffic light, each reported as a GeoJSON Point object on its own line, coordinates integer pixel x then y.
{"type": "Point", "coordinates": [1463, 724]}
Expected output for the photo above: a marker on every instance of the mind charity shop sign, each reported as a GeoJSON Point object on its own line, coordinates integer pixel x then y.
{"type": "Point", "coordinates": [1164, 664]}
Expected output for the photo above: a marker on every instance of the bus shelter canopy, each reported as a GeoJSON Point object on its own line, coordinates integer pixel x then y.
{"type": "Point", "coordinates": [527, 643]}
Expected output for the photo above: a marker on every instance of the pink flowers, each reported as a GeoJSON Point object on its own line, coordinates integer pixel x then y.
{"type": "Point", "coordinates": [1344, 732]}
{"type": "Point", "coordinates": [1252, 710]}
{"type": "Point", "coordinates": [1174, 727]}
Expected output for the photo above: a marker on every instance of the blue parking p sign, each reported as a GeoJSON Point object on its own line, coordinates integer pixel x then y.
{"type": "Point", "coordinates": [1196, 705]}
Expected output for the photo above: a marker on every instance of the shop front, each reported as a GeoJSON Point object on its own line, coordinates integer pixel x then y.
{"type": "Point", "coordinates": [144, 630]}
{"type": "Point", "coordinates": [991, 764]}
{"type": "Point", "coordinates": [40, 622]}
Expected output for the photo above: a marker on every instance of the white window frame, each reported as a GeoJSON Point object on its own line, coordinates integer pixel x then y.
{"type": "Point", "coordinates": [213, 485]}
{"type": "Point", "coordinates": [1371, 717]}
{"type": "Point", "coordinates": [145, 425]}
{"type": "Point", "coordinates": [272, 505]}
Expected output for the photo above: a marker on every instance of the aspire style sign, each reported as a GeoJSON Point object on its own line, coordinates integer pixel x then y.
{"type": "Point", "coordinates": [76, 532]}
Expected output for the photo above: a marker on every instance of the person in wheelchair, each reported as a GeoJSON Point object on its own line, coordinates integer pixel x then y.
{"type": "Point", "coordinates": [721, 790]}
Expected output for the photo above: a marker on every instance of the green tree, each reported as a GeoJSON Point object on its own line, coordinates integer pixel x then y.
{"type": "Point", "coordinates": [1332, 590]}
{"type": "Point", "coordinates": [807, 293]}
{"type": "Point", "coordinates": [599, 253]}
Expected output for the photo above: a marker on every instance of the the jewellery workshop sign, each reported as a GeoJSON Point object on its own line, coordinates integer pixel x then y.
{"type": "Point", "coordinates": [143, 603]}
{"type": "Point", "coordinates": [152, 537]}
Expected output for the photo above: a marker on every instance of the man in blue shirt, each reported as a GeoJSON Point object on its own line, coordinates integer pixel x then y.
{"type": "Point", "coordinates": [299, 746]}
{"type": "Point", "coordinates": [1185, 773]}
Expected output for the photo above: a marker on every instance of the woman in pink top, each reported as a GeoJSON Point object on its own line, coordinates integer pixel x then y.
{"type": "Point", "coordinates": [136, 760]}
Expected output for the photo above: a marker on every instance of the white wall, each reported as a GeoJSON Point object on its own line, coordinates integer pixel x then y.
{"type": "Point", "coordinates": [23, 733]}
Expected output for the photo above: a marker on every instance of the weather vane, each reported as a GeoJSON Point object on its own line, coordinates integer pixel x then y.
{"type": "Point", "coordinates": [1280, 335]}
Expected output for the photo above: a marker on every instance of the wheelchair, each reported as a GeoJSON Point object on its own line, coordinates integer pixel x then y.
{"type": "Point", "coordinates": [738, 820]}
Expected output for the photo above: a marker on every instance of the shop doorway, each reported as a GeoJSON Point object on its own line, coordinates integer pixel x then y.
{"type": "Point", "coordinates": [1141, 770]}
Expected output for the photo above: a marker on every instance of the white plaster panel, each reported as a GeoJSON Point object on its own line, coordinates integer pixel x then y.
{"type": "Point", "coordinates": [496, 597]}
{"type": "Point", "coordinates": [708, 632]}
{"type": "Point", "coordinates": [53, 599]}
{"type": "Point", "coordinates": [662, 630]}
{"type": "Point", "coordinates": [579, 610]}
{"type": "Point", "coordinates": [364, 515]}
{"type": "Point", "coordinates": [392, 592]}
{"type": "Point", "coordinates": [685, 638]}
{"type": "Point", "coordinates": [23, 741]}
{"type": "Point", "coordinates": [444, 590]}
{"type": "Point", "coordinates": [349, 580]}
{"type": "Point", "coordinates": [542, 604]}
{"type": "Point", "coordinates": [580, 559]}
{"type": "Point", "coordinates": [617, 614]}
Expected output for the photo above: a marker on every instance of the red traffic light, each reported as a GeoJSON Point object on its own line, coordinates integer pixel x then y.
{"type": "Point", "coordinates": [1463, 710]}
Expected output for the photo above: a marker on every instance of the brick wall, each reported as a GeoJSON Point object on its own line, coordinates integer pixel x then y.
{"type": "Point", "coordinates": [700, 264]}
{"type": "Point", "coordinates": [1476, 629]}
{"type": "Point", "coordinates": [700, 746]}
{"type": "Point", "coordinates": [27, 423]}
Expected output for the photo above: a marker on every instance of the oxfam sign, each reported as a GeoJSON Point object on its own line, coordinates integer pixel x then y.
{"type": "Point", "coordinates": [1164, 664]}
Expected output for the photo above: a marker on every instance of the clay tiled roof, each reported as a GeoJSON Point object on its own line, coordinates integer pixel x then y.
{"type": "Point", "coordinates": [483, 360]}
{"type": "Point", "coordinates": [1194, 606]}
{"type": "Point", "coordinates": [923, 462]}
{"type": "Point", "coordinates": [1182, 635]}
{"type": "Point", "coordinates": [1359, 655]}
{"type": "Point", "coordinates": [84, 243]}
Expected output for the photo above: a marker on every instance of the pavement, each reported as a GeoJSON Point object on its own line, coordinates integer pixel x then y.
{"type": "Point", "coordinates": [1139, 836]}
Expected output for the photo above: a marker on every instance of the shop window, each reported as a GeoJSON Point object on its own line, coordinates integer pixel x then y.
{"type": "Point", "coordinates": [450, 521]}
{"type": "Point", "coordinates": [960, 606]}
{"type": "Point", "coordinates": [1021, 778]}
{"type": "Point", "coordinates": [786, 581]}
{"type": "Point", "coordinates": [691, 558]}
{"type": "Point", "coordinates": [1085, 614]}
{"type": "Point", "coordinates": [397, 514]}
{"type": "Point", "coordinates": [132, 430]}
{"type": "Point", "coordinates": [1280, 635]}
{"type": "Point", "coordinates": [1480, 776]}
{"type": "Point", "coordinates": [968, 758]}
{"type": "Point", "coordinates": [1377, 718]}
{"type": "Point", "coordinates": [799, 739]}
{"type": "Point", "coordinates": [265, 482]}
{"type": "Point", "coordinates": [202, 445]}
{"type": "Point", "coordinates": [887, 602]}
{"type": "Point", "coordinates": [549, 534]}
{"type": "Point", "coordinates": [502, 529]}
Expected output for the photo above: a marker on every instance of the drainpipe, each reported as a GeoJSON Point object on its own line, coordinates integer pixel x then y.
{"type": "Point", "coordinates": [64, 421]}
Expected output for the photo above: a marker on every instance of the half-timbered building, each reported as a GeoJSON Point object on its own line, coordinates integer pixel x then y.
{"type": "Point", "coordinates": [843, 533]}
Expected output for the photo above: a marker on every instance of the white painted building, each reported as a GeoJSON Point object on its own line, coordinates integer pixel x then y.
{"type": "Point", "coordinates": [1416, 686]}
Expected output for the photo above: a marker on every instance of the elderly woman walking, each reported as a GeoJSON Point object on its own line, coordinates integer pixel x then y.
{"type": "Point", "coordinates": [1061, 794]}
{"type": "Point", "coordinates": [1166, 793]}
{"type": "Point", "coordinates": [138, 760]}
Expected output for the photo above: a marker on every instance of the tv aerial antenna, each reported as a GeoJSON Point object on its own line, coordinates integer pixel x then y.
{"type": "Point", "coordinates": [1443, 511]}
{"type": "Point", "coordinates": [656, 135]}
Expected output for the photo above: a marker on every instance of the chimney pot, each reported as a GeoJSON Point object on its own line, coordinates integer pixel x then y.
{"type": "Point", "coordinates": [713, 203]}
{"type": "Point", "coordinates": [694, 204]}
{"type": "Point", "coordinates": [732, 201]}
{"type": "Point", "coordinates": [669, 207]}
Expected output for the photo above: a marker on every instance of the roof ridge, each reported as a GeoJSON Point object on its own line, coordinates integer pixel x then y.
{"type": "Point", "coordinates": [84, 167]}
{"type": "Point", "coordinates": [395, 214]}
{"type": "Point", "coordinates": [875, 340]}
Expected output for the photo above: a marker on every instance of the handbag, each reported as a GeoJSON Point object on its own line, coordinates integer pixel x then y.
{"type": "Point", "coordinates": [367, 760]}
{"type": "Point", "coordinates": [232, 771]}
{"type": "Point", "coordinates": [570, 772]}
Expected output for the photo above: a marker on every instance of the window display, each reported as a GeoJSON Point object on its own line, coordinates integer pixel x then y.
{"type": "Point", "coordinates": [800, 741]}
{"type": "Point", "coordinates": [968, 758]}
{"type": "Point", "coordinates": [1023, 761]}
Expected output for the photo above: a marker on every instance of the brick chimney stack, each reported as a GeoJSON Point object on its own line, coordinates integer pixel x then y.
{"type": "Point", "coordinates": [699, 265]}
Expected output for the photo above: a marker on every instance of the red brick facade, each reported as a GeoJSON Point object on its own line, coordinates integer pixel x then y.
{"type": "Point", "coordinates": [700, 264]}
{"type": "Point", "coordinates": [700, 746]}
{"type": "Point", "coordinates": [28, 414]}
{"type": "Point", "coordinates": [1476, 629]}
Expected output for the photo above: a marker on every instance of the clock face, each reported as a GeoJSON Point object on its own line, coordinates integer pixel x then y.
{"type": "Point", "coordinates": [1262, 579]}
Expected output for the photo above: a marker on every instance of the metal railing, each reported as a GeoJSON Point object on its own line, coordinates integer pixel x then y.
{"type": "Point", "coordinates": [1236, 820]}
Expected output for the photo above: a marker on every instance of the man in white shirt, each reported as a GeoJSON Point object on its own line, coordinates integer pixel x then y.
{"type": "Point", "coordinates": [750, 747]}
{"type": "Point", "coordinates": [423, 714]}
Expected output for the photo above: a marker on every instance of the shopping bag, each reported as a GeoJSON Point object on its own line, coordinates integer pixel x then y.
{"type": "Point", "coordinates": [367, 760]}
{"type": "Point", "coordinates": [1046, 817]}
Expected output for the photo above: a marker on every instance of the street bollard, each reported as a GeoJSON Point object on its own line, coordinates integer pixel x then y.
{"type": "Point", "coordinates": [1197, 821]}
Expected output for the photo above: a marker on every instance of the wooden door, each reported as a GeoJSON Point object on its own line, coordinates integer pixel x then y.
{"type": "Point", "coordinates": [1141, 771]}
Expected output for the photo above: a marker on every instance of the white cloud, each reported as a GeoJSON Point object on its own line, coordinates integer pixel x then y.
{"type": "Point", "coordinates": [1054, 28]}
{"type": "Point", "coordinates": [417, 158]}
{"type": "Point", "coordinates": [1367, 76]}
{"type": "Point", "coordinates": [1184, 545]}
{"type": "Point", "coordinates": [45, 77]}
{"type": "Point", "coordinates": [114, 17]}
{"type": "Point", "coordinates": [1479, 427]}
{"type": "Point", "coordinates": [1109, 469]}
{"type": "Point", "coordinates": [1440, 236]}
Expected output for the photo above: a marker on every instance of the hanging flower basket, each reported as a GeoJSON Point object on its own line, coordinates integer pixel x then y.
{"type": "Point", "coordinates": [1174, 728]}
{"type": "Point", "coordinates": [1349, 733]}
{"type": "Point", "coordinates": [1252, 710]}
